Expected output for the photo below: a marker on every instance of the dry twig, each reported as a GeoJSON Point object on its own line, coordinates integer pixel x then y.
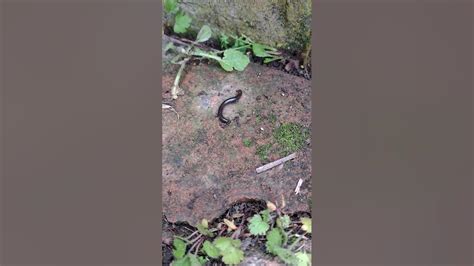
{"type": "Point", "coordinates": [275, 163]}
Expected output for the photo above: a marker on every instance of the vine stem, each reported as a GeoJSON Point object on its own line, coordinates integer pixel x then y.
{"type": "Point", "coordinates": [198, 246]}
{"type": "Point", "coordinates": [191, 235]}
{"type": "Point", "coordinates": [197, 241]}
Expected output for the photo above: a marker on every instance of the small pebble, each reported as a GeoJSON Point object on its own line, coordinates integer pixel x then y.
{"type": "Point", "coordinates": [261, 128]}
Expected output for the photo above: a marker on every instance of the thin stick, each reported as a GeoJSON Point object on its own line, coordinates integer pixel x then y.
{"type": "Point", "coordinates": [298, 186]}
{"type": "Point", "coordinates": [275, 163]}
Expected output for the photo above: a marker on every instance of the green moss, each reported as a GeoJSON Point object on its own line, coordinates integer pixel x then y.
{"type": "Point", "coordinates": [263, 151]}
{"type": "Point", "coordinates": [290, 137]}
{"type": "Point", "coordinates": [247, 142]}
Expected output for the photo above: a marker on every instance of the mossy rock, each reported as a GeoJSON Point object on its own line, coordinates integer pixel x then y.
{"type": "Point", "coordinates": [283, 24]}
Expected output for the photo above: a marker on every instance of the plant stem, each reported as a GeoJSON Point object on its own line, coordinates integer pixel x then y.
{"type": "Point", "coordinates": [174, 89]}
{"type": "Point", "coordinates": [197, 241]}
{"type": "Point", "coordinates": [240, 47]}
{"type": "Point", "coordinates": [191, 235]}
{"type": "Point", "coordinates": [203, 54]}
{"type": "Point", "coordinates": [296, 242]}
{"type": "Point", "coordinates": [197, 238]}
{"type": "Point", "coordinates": [198, 246]}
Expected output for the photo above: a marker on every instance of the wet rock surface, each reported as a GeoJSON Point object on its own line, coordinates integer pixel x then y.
{"type": "Point", "coordinates": [207, 166]}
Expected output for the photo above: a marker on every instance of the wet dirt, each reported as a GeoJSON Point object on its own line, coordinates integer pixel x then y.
{"type": "Point", "coordinates": [208, 166]}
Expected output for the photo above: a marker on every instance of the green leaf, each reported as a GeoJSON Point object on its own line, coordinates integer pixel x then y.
{"type": "Point", "coordinates": [204, 34]}
{"type": "Point", "coordinates": [271, 59]}
{"type": "Point", "coordinates": [188, 260]}
{"type": "Point", "coordinates": [168, 46]}
{"type": "Point", "coordinates": [306, 224]}
{"type": "Point", "coordinates": [234, 59]}
{"type": "Point", "coordinates": [265, 215]}
{"type": "Point", "coordinates": [283, 222]}
{"type": "Point", "coordinates": [274, 239]}
{"type": "Point", "coordinates": [181, 262]}
{"type": "Point", "coordinates": [225, 243]}
{"type": "Point", "coordinates": [203, 260]}
{"type": "Point", "coordinates": [230, 250]}
{"type": "Point", "coordinates": [304, 258]}
{"type": "Point", "coordinates": [226, 66]}
{"type": "Point", "coordinates": [233, 256]}
{"type": "Point", "coordinates": [179, 248]}
{"type": "Point", "coordinates": [203, 230]}
{"type": "Point", "coordinates": [210, 250]}
{"type": "Point", "coordinates": [286, 255]}
{"type": "Point", "coordinates": [224, 40]}
{"type": "Point", "coordinates": [181, 23]}
{"type": "Point", "coordinates": [238, 42]}
{"type": "Point", "coordinates": [193, 260]}
{"type": "Point", "coordinates": [257, 226]}
{"type": "Point", "coordinates": [171, 6]}
{"type": "Point", "coordinates": [259, 50]}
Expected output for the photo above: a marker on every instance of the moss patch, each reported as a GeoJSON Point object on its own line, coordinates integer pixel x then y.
{"type": "Point", "coordinates": [247, 142]}
{"type": "Point", "coordinates": [290, 137]}
{"type": "Point", "coordinates": [263, 151]}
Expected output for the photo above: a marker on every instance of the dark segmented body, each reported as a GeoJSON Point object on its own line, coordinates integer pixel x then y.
{"type": "Point", "coordinates": [226, 102]}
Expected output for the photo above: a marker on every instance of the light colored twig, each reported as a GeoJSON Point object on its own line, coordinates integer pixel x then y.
{"type": "Point", "coordinates": [298, 186]}
{"type": "Point", "coordinates": [167, 106]}
{"type": "Point", "coordinates": [174, 89]}
{"type": "Point", "coordinates": [275, 163]}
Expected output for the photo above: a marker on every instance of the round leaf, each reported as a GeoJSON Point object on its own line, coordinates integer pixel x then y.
{"type": "Point", "coordinates": [204, 34]}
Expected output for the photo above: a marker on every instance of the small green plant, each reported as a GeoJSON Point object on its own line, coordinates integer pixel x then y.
{"type": "Point", "coordinates": [258, 225]}
{"type": "Point", "coordinates": [171, 6]}
{"type": "Point", "coordinates": [183, 259]}
{"type": "Point", "coordinates": [247, 142]}
{"type": "Point", "coordinates": [243, 43]}
{"type": "Point", "coordinates": [231, 58]}
{"type": "Point", "coordinates": [272, 225]}
{"type": "Point", "coordinates": [224, 41]}
{"type": "Point", "coordinates": [181, 20]}
{"type": "Point", "coordinates": [225, 247]}
{"type": "Point", "coordinates": [263, 151]}
{"type": "Point", "coordinates": [291, 137]}
{"type": "Point", "coordinates": [280, 241]}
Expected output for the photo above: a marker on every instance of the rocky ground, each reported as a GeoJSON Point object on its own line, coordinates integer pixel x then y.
{"type": "Point", "coordinates": [207, 166]}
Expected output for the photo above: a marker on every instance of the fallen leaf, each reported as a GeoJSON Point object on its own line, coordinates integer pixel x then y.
{"type": "Point", "coordinates": [230, 224]}
{"type": "Point", "coordinates": [271, 206]}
